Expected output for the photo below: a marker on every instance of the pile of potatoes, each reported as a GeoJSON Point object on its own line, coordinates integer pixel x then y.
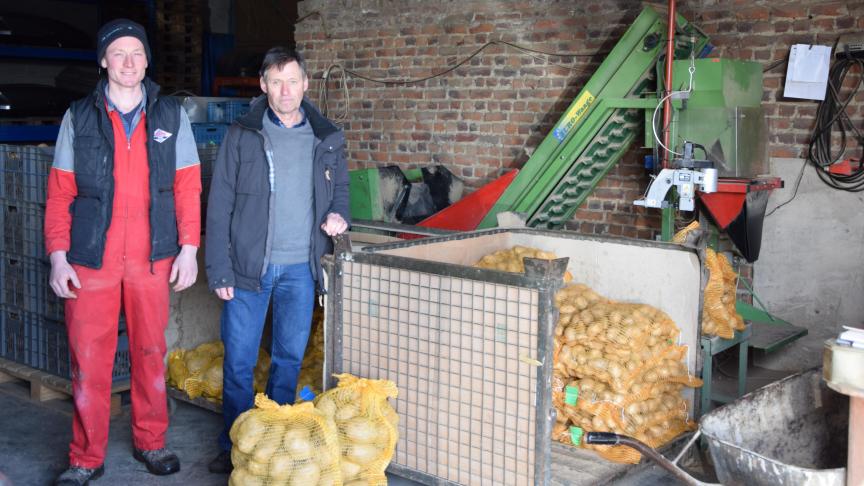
{"type": "Point", "coordinates": [366, 424]}
{"type": "Point", "coordinates": [621, 358]}
{"type": "Point", "coordinates": [198, 371]}
{"type": "Point", "coordinates": [285, 445]}
{"type": "Point", "coordinates": [512, 260]}
{"type": "Point", "coordinates": [629, 373]}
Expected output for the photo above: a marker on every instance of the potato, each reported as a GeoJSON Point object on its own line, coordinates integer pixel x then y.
{"type": "Point", "coordinates": [267, 446]}
{"type": "Point", "coordinates": [298, 447]}
{"type": "Point", "coordinates": [328, 479]}
{"type": "Point", "coordinates": [281, 466]}
{"type": "Point", "coordinates": [249, 433]}
{"type": "Point", "coordinates": [350, 470]}
{"type": "Point", "coordinates": [346, 412]}
{"type": "Point", "coordinates": [362, 453]}
{"type": "Point", "coordinates": [326, 405]}
{"type": "Point", "coordinates": [360, 430]}
{"type": "Point", "coordinates": [256, 468]}
{"type": "Point", "coordinates": [305, 474]}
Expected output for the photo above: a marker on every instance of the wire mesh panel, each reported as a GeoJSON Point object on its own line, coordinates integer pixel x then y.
{"type": "Point", "coordinates": [470, 355]}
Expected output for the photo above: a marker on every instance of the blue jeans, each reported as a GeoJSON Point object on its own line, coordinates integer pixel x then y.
{"type": "Point", "coordinates": [243, 318]}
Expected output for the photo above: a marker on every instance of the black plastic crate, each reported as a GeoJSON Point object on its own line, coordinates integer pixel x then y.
{"type": "Point", "coordinates": [23, 229]}
{"type": "Point", "coordinates": [22, 279]}
{"type": "Point", "coordinates": [25, 286]}
{"type": "Point", "coordinates": [20, 336]}
{"type": "Point", "coordinates": [54, 352]}
{"type": "Point", "coordinates": [25, 172]}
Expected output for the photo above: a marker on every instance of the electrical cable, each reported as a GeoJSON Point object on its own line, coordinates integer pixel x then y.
{"type": "Point", "coordinates": [691, 70]}
{"type": "Point", "coordinates": [474, 54]}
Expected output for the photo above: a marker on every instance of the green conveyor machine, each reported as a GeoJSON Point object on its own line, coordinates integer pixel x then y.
{"type": "Point", "coordinates": [597, 128]}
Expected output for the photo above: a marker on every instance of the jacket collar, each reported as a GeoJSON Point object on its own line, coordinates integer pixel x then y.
{"type": "Point", "coordinates": [254, 120]}
{"type": "Point", "coordinates": [151, 92]}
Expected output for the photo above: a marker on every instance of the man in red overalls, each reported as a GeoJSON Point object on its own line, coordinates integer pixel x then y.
{"type": "Point", "coordinates": [122, 220]}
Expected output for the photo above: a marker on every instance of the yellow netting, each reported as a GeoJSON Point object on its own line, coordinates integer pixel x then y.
{"type": "Point", "coordinates": [629, 372]}
{"type": "Point", "coordinates": [719, 316]}
{"type": "Point", "coordinates": [512, 260]}
{"type": "Point", "coordinates": [284, 445]}
{"type": "Point", "coordinates": [366, 423]}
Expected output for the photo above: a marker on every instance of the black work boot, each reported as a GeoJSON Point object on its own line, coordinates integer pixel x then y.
{"type": "Point", "coordinates": [161, 462]}
{"type": "Point", "coordinates": [221, 464]}
{"type": "Point", "coordinates": [79, 476]}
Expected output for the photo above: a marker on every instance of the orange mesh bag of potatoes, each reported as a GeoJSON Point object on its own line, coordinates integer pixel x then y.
{"type": "Point", "coordinates": [719, 316]}
{"type": "Point", "coordinates": [366, 424]}
{"type": "Point", "coordinates": [286, 445]}
{"type": "Point", "coordinates": [513, 260]}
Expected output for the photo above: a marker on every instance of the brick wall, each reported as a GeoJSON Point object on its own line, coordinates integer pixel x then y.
{"type": "Point", "coordinates": [485, 117]}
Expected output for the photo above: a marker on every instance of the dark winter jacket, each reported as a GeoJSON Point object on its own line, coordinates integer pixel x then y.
{"type": "Point", "coordinates": [241, 204]}
{"type": "Point", "coordinates": [94, 176]}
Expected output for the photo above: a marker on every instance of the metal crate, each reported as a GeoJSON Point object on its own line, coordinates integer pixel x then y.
{"type": "Point", "coordinates": [25, 172]}
{"type": "Point", "coordinates": [471, 349]}
{"type": "Point", "coordinates": [23, 232]}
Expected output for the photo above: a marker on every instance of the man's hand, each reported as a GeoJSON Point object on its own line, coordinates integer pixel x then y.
{"type": "Point", "coordinates": [61, 274]}
{"type": "Point", "coordinates": [225, 293]}
{"type": "Point", "coordinates": [335, 225]}
{"type": "Point", "coordinates": [185, 268]}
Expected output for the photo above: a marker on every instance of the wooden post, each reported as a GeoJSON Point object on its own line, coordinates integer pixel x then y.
{"type": "Point", "coordinates": [855, 462]}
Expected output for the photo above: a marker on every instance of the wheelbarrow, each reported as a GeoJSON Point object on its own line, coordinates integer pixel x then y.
{"type": "Point", "coordinates": [791, 432]}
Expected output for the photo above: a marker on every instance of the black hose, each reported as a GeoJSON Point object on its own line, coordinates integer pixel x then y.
{"type": "Point", "coordinates": [832, 119]}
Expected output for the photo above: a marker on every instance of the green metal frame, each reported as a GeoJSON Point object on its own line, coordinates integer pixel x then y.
{"type": "Point", "coordinates": [595, 131]}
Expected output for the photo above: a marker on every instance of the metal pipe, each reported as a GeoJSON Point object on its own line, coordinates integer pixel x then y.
{"type": "Point", "coordinates": [610, 438]}
{"type": "Point", "coordinates": [670, 56]}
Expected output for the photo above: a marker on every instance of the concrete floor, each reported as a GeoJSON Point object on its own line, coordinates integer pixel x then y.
{"type": "Point", "coordinates": [34, 444]}
{"type": "Point", "coordinates": [34, 439]}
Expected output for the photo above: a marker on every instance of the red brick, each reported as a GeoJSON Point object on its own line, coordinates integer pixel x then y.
{"type": "Point", "coordinates": [828, 9]}
{"type": "Point", "coordinates": [788, 11]}
{"type": "Point", "coordinates": [753, 13]}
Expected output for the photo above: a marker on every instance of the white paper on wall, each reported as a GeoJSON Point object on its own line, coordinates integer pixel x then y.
{"type": "Point", "coordinates": [807, 72]}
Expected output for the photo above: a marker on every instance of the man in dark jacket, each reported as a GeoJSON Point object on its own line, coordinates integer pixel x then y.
{"type": "Point", "coordinates": [279, 192]}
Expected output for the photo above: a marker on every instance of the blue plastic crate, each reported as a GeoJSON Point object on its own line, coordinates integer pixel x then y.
{"type": "Point", "coordinates": [54, 352]}
{"type": "Point", "coordinates": [226, 111]}
{"type": "Point", "coordinates": [209, 133]}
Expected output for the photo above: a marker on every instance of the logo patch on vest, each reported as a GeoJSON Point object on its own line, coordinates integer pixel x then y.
{"type": "Point", "coordinates": [161, 135]}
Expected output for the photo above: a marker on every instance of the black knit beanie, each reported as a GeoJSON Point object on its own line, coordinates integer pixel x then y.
{"type": "Point", "coordinates": [116, 29]}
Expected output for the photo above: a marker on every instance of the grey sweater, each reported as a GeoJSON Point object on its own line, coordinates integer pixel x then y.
{"type": "Point", "coordinates": [292, 161]}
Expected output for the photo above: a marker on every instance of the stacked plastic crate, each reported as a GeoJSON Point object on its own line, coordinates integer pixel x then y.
{"type": "Point", "coordinates": [208, 137]}
{"type": "Point", "coordinates": [31, 316]}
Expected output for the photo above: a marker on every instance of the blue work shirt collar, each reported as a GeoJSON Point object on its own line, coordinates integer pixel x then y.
{"type": "Point", "coordinates": [276, 121]}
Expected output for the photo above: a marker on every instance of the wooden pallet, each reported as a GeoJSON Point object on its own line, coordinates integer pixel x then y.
{"type": "Point", "coordinates": [45, 386]}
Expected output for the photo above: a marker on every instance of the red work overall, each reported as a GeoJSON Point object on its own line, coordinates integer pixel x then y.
{"type": "Point", "coordinates": [91, 319]}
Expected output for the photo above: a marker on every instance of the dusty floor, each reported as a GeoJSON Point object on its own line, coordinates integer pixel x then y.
{"type": "Point", "coordinates": [34, 440]}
